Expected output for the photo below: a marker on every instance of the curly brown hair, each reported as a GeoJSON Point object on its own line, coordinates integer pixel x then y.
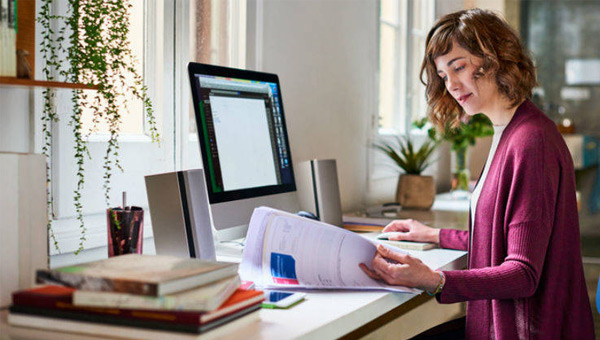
{"type": "Point", "coordinates": [487, 36]}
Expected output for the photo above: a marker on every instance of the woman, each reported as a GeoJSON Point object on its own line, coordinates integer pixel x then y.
{"type": "Point", "coordinates": [525, 276]}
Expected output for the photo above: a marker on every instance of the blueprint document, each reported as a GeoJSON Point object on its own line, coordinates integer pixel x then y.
{"type": "Point", "coordinates": [288, 251]}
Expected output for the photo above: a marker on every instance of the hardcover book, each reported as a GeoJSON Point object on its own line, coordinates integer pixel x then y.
{"type": "Point", "coordinates": [58, 327]}
{"type": "Point", "coordinates": [151, 275]}
{"type": "Point", "coordinates": [56, 302]}
{"type": "Point", "coordinates": [204, 298]}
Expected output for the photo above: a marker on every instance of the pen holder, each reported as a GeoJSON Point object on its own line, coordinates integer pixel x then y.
{"type": "Point", "coordinates": [125, 230]}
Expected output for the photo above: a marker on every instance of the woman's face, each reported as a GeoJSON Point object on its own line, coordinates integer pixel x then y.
{"type": "Point", "coordinates": [457, 69]}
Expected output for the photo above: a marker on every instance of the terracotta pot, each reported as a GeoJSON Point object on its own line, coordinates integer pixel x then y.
{"type": "Point", "coordinates": [415, 192]}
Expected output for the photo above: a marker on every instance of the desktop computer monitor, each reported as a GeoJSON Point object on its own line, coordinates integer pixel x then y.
{"type": "Point", "coordinates": [244, 144]}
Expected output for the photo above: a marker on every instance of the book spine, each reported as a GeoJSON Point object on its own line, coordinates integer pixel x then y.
{"type": "Point", "coordinates": [231, 309]}
{"type": "Point", "coordinates": [108, 318]}
{"type": "Point", "coordinates": [117, 300]}
{"type": "Point", "coordinates": [115, 331]}
{"type": "Point", "coordinates": [201, 299]}
{"type": "Point", "coordinates": [63, 304]}
{"type": "Point", "coordinates": [63, 301]}
{"type": "Point", "coordinates": [96, 283]}
{"type": "Point", "coordinates": [42, 301]}
{"type": "Point", "coordinates": [47, 319]}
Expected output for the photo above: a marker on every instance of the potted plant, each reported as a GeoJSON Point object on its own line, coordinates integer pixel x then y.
{"type": "Point", "coordinates": [461, 135]}
{"type": "Point", "coordinates": [414, 190]}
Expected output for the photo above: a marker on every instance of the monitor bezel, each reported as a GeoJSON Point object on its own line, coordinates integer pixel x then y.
{"type": "Point", "coordinates": [220, 71]}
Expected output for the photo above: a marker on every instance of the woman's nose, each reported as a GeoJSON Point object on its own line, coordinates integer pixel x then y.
{"type": "Point", "coordinates": [453, 83]}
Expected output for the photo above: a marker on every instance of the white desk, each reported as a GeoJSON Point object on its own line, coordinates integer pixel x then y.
{"type": "Point", "coordinates": [325, 314]}
{"type": "Point", "coordinates": [337, 314]}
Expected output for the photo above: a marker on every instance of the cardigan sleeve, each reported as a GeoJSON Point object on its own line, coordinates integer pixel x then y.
{"type": "Point", "coordinates": [454, 239]}
{"type": "Point", "coordinates": [516, 277]}
{"type": "Point", "coordinates": [529, 179]}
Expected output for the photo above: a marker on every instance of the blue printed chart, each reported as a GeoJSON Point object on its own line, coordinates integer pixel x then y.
{"type": "Point", "coordinates": [283, 269]}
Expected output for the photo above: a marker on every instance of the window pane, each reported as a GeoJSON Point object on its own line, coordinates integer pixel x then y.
{"type": "Point", "coordinates": [132, 109]}
{"type": "Point", "coordinates": [401, 78]}
{"type": "Point", "coordinates": [401, 94]}
{"type": "Point", "coordinates": [220, 26]}
{"type": "Point", "coordinates": [418, 103]}
{"type": "Point", "coordinates": [388, 60]}
{"type": "Point", "coordinates": [417, 15]}
{"type": "Point", "coordinates": [423, 10]}
{"type": "Point", "coordinates": [389, 11]}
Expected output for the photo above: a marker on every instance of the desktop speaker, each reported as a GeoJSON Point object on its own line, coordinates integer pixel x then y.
{"type": "Point", "coordinates": [180, 214]}
{"type": "Point", "coordinates": [318, 190]}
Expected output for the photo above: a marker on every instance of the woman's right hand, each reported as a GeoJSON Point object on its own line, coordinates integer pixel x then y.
{"type": "Point", "coordinates": [411, 230]}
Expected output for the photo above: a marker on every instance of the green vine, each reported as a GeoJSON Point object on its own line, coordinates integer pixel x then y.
{"type": "Point", "coordinates": [78, 98]}
{"type": "Point", "coordinates": [99, 53]}
{"type": "Point", "coordinates": [50, 46]}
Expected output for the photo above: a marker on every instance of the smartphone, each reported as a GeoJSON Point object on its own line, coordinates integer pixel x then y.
{"type": "Point", "coordinates": [279, 299]}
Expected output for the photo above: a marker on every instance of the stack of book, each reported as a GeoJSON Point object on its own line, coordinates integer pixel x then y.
{"type": "Point", "coordinates": [132, 294]}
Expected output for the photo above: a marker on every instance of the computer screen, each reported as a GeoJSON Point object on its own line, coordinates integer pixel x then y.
{"type": "Point", "coordinates": [242, 134]}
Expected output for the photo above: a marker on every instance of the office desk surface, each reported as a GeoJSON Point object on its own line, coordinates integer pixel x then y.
{"type": "Point", "coordinates": [334, 314]}
{"type": "Point", "coordinates": [446, 212]}
{"type": "Point", "coordinates": [324, 315]}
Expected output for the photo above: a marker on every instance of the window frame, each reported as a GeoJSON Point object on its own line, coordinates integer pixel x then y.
{"type": "Point", "coordinates": [406, 76]}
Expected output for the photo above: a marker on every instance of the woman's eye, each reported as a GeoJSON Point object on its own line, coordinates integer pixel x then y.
{"type": "Point", "coordinates": [460, 68]}
{"type": "Point", "coordinates": [444, 78]}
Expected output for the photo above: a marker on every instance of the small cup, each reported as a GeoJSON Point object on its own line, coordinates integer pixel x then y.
{"type": "Point", "coordinates": [125, 230]}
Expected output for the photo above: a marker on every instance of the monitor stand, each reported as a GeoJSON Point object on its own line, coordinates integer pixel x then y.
{"type": "Point", "coordinates": [231, 219]}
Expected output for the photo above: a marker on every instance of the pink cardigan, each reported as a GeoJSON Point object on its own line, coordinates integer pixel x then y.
{"type": "Point", "coordinates": [525, 275]}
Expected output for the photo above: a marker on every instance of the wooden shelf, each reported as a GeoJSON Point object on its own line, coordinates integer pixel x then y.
{"type": "Point", "coordinates": [26, 41]}
{"type": "Point", "coordinates": [12, 81]}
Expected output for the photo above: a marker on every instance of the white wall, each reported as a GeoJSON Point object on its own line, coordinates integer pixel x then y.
{"type": "Point", "coordinates": [14, 119]}
{"type": "Point", "coordinates": [325, 55]}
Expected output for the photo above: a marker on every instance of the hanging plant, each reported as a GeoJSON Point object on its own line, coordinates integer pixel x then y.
{"type": "Point", "coordinates": [98, 52]}
{"type": "Point", "coordinates": [50, 45]}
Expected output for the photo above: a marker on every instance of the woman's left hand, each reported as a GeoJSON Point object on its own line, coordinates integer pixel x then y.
{"type": "Point", "coordinates": [401, 269]}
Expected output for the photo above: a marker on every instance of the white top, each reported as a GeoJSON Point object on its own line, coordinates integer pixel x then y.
{"type": "Point", "coordinates": [498, 129]}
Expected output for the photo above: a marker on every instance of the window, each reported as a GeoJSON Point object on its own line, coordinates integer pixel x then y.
{"type": "Point", "coordinates": [220, 32]}
{"type": "Point", "coordinates": [403, 27]}
{"type": "Point", "coordinates": [165, 36]}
